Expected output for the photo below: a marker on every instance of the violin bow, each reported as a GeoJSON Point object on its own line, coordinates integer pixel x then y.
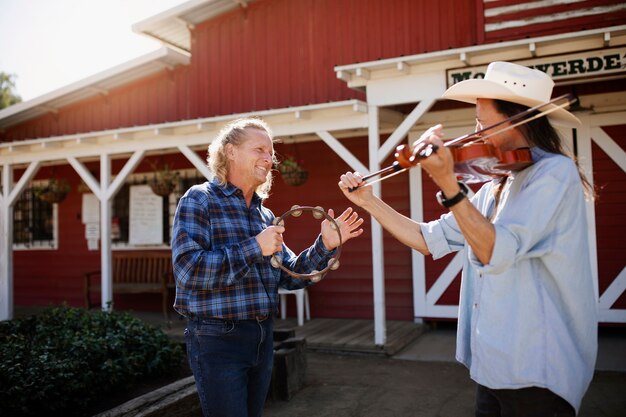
{"type": "Point", "coordinates": [569, 99]}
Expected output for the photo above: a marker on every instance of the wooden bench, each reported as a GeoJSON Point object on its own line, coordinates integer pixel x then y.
{"type": "Point", "coordinates": [137, 273]}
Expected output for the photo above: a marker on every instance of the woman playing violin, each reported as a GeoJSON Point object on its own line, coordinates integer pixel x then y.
{"type": "Point", "coordinates": [527, 326]}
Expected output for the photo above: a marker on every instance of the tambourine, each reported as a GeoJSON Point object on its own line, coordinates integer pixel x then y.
{"type": "Point", "coordinates": [318, 213]}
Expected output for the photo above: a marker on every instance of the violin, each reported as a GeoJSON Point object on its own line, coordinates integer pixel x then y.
{"type": "Point", "coordinates": [474, 160]}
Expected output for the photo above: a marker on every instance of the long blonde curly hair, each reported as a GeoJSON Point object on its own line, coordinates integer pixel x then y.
{"type": "Point", "coordinates": [234, 133]}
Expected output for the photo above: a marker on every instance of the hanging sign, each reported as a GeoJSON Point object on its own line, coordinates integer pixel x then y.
{"type": "Point", "coordinates": [145, 216]}
{"type": "Point", "coordinates": [561, 67]}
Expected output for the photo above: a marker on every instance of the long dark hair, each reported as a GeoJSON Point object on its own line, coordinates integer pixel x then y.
{"type": "Point", "coordinates": [540, 132]}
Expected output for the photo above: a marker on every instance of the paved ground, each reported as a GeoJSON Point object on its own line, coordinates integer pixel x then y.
{"type": "Point", "coordinates": [360, 386]}
{"type": "Point", "coordinates": [424, 380]}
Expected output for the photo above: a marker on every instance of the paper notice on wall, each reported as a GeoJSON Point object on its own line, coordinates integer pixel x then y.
{"type": "Point", "coordinates": [145, 216]}
{"type": "Point", "coordinates": [92, 231]}
{"type": "Point", "coordinates": [91, 209]}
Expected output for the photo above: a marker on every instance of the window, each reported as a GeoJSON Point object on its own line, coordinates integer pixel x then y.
{"type": "Point", "coordinates": [34, 222]}
{"type": "Point", "coordinates": [121, 203]}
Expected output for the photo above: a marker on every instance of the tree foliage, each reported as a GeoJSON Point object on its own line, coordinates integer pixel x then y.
{"type": "Point", "coordinates": [8, 97]}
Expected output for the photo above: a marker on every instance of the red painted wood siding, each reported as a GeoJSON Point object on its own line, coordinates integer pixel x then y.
{"type": "Point", "coordinates": [530, 18]}
{"type": "Point", "coordinates": [280, 53]}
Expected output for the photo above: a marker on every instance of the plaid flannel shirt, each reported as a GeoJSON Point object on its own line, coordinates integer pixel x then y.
{"type": "Point", "coordinates": [219, 269]}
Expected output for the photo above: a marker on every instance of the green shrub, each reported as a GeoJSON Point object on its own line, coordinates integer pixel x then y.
{"type": "Point", "coordinates": [62, 360]}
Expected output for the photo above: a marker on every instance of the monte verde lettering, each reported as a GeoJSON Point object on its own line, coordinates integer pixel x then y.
{"type": "Point", "coordinates": [558, 67]}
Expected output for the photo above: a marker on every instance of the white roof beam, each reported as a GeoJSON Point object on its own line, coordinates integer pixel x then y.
{"type": "Point", "coordinates": [21, 184]}
{"type": "Point", "coordinates": [128, 168]}
{"type": "Point", "coordinates": [195, 160]}
{"type": "Point", "coordinates": [86, 176]}
{"type": "Point", "coordinates": [343, 152]}
{"type": "Point", "coordinates": [403, 130]}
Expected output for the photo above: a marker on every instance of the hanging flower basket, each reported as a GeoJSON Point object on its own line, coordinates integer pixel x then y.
{"type": "Point", "coordinates": [54, 192]}
{"type": "Point", "coordinates": [291, 171]}
{"type": "Point", "coordinates": [162, 188]}
{"type": "Point", "coordinates": [164, 182]}
{"type": "Point", "coordinates": [295, 177]}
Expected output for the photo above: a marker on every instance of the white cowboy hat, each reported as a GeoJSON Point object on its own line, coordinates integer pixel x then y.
{"type": "Point", "coordinates": [514, 83]}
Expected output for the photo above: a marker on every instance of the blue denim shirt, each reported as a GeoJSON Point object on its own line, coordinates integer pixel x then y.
{"type": "Point", "coordinates": [218, 266]}
{"type": "Point", "coordinates": [529, 317]}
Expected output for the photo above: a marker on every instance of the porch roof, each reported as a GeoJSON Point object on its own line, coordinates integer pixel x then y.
{"type": "Point", "coordinates": [100, 83]}
{"type": "Point", "coordinates": [172, 27]}
{"type": "Point", "coordinates": [287, 123]}
{"type": "Point", "coordinates": [358, 75]}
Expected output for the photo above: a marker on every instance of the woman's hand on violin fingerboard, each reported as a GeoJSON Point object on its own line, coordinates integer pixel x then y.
{"type": "Point", "coordinates": [360, 195]}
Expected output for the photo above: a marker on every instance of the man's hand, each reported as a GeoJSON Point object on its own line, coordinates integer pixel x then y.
{"type": "Point", "coordinates": [271, 240]}
{"type": "Point", "coordinates": [349, 223]}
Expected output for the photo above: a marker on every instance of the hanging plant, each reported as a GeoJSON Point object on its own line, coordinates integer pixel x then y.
{"type": "Point", "coordinates": [54, 191]}
{"type": "Point", "coordinates": [292, 172]}
{"type": "Point", "coordinates": [83, 188]}
{"type": "Point", "coordinates": [164, 181]}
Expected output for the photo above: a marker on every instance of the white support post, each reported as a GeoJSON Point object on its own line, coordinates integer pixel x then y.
{"type": "Point", "coordinates": [418, 263]}
{"type": "Point", "coordinates": [105, 234]}
{"type": "Point", "coordinates": [378, 264]}
{"type": "Point", "coordinates": [7, 200]}
{"type": "Point", "coordinates": [6, 246]}
{"type": "Point", "coordinates": [585, 159]}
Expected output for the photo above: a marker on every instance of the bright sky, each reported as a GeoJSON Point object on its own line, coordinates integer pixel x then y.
{"type": "Point", "coordinates": [48, 44]}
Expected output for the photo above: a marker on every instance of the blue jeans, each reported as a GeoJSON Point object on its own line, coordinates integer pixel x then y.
{"type": "Point", "coordinates": [231, 361]}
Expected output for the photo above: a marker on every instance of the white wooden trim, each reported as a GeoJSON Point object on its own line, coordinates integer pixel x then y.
{"type": "Point", "coordinates": [612, 316]}
{"type": "Point", "coordinates": [30, 172]}
{"type": "Point", "coordinates": [195, 160]}
{"type": "Point", "coordinates": [403, 130]}
{"type": "Point", "coordinates": [120, 178]}
{"type": "Point", "coordinates": [444, 311]}
{"type": "Point", "coordinates": [618, 285]}
{"type": "Point", "coordinates": [445, 279]}
{"type": "Point", "coordinates": [614, 291]}
{"type": "Point", "coordinates": [608, 145]}
{"type": "Point", "coordinates": [86, 176]}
